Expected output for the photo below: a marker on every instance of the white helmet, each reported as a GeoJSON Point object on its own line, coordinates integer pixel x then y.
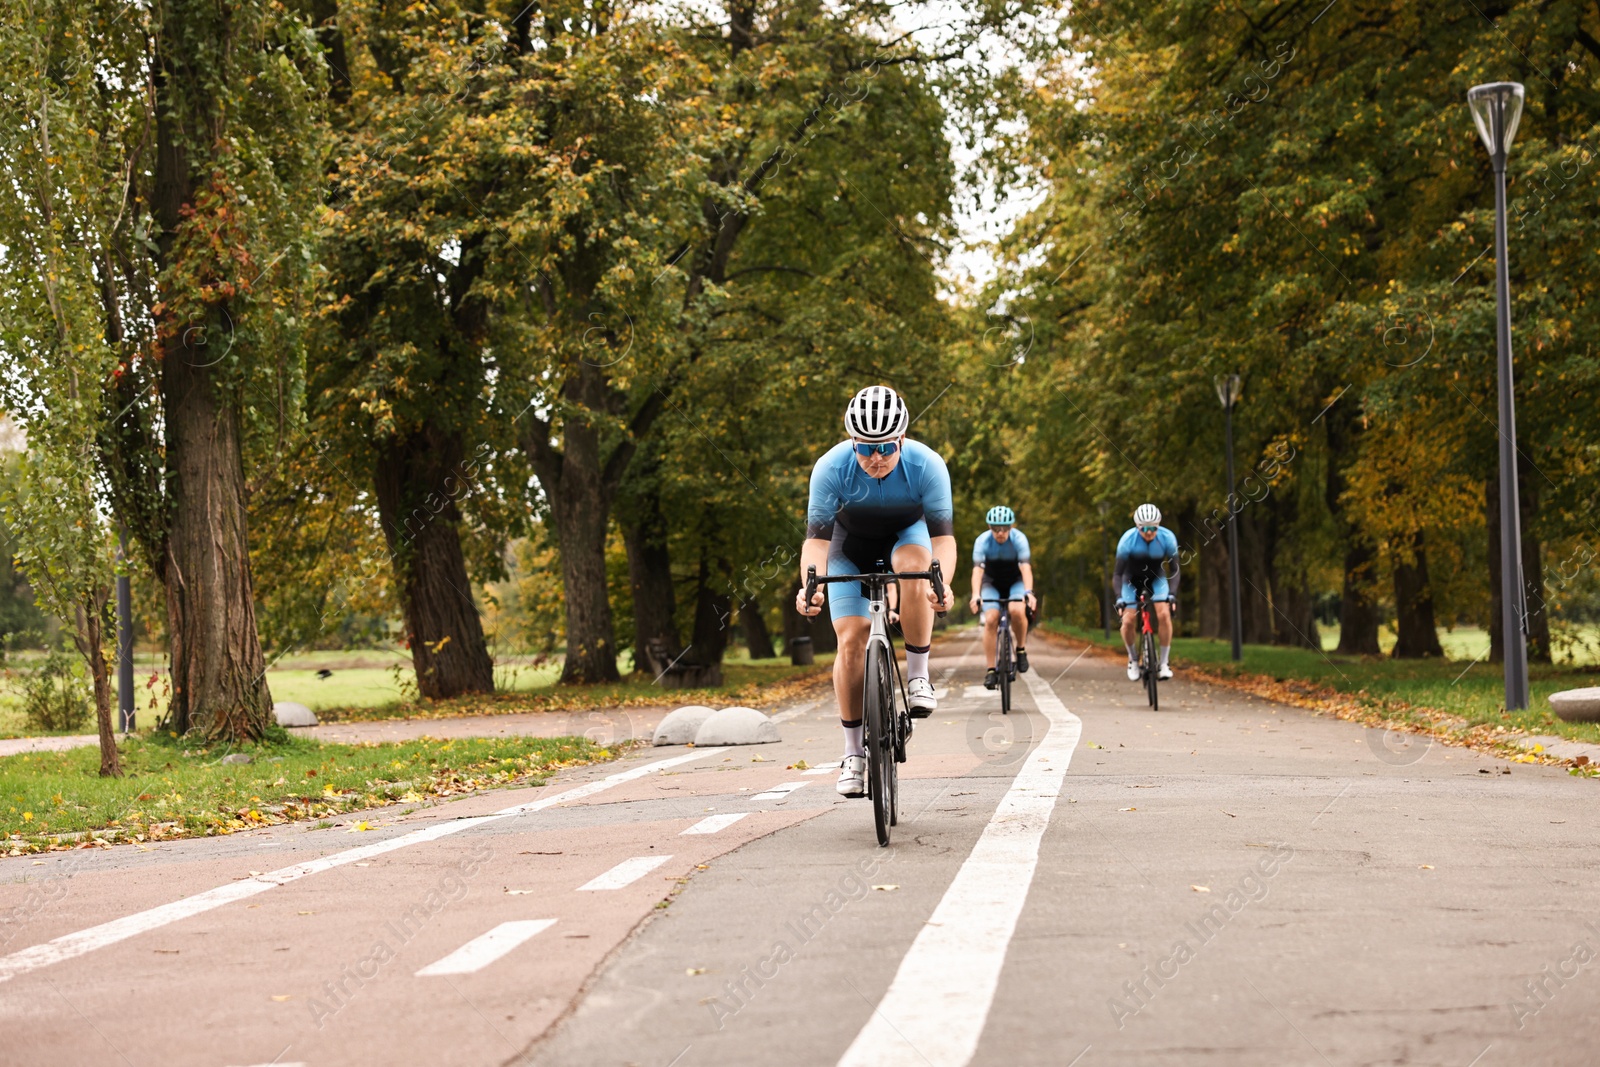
{"type": "Point", "coordinates": [1147, 515]}
{"type": "Point", "coordinates": [876, 414]}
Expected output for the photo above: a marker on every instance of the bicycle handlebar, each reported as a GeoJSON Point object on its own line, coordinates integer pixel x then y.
{"type": "Point", "coordinates": [933, 574]}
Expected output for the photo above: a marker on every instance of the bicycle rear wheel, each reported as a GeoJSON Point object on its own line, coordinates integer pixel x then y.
{"type": "Point", "coordinates": [878, 714]}
{"type": "Point", "coordinates": [1002, 664]}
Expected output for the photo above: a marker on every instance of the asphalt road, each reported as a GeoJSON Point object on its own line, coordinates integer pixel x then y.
{"type": "Point", "coordinates": [1082, 882]}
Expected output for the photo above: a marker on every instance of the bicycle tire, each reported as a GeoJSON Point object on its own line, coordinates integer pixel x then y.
{"type": "Point", "coordinates": [1002, 660]}
{"type": "Point", "coordinates": [878, 714]}
{"type": "Point", "coordinates": [1150, 668]}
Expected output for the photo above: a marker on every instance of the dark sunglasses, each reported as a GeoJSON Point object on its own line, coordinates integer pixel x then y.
{"type": "Point", "coordinates": [998, 529]}
{"type": "Point", "coordinates": [1148, 529]}
{"type": "Point", "coordinates": [888, 448]}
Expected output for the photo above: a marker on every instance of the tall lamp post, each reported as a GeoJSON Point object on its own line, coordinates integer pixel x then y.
{"type": "Point", "coordinates": [1229, 387]}
{"type": "Point", "coordinates": [1105, 568]}
{"type": "Point", "coordinates": [1496, 108]}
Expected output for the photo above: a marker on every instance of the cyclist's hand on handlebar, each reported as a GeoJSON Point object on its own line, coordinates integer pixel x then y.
{"type": "Point", "coordinates": [814, 608]}
{"type": "Point", "coordinates": [940, 605]}
{"type": "Point", "coordinates": [1031, 602]}
{"type": "Point", "coordinates": [973, 606]}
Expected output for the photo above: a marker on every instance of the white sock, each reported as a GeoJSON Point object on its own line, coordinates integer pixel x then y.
{"type": "Point", "coordinates": [1133, 657]}
{"type": "Point", "coordinates": [1166, 650]}
{"type": "Point", "coordinates": [855, 740]}
{"type": "Point", "coordinates": [916, 664]}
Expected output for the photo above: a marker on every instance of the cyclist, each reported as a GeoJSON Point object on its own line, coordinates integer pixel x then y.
{"type": "Point", "coordinates": [877, 498]}
{"type": "Point", "coordinates": [1140, 555]}
{"type": "Point", "coordinates": [1001, 570]}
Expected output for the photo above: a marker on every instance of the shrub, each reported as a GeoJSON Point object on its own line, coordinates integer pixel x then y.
{"type": "Point", "coordinates": [56, 695]}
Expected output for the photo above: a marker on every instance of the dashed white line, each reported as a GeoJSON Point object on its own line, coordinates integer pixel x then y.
{"type": "Point", "coordinates": [712, 823]}
{"type": "Point", "coordinates": [821, 768]}
{"type": "Point", "coordinates": [68, 946]}
{"type": "Point", "coordinates": [927, 1019]}
{"type": "Point", "coordinates": [484, 949]}
{"type": "Point", "coordinates": [778, 792]}
{"type": "Point", "coordinates": [625, 873]}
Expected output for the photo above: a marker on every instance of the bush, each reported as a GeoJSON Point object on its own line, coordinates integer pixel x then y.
{"type": "Point", "coordinates": [56, 695]}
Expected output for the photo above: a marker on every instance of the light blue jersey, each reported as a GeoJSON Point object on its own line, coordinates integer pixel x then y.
{"type": "Point", "coordinates": [1002, 566]}
{"type": "Point", "coordinates": [1140, 561]}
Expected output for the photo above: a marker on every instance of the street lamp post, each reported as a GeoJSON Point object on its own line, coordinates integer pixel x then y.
{"type": "Point", "coordinates": [1105, 569]}
{"type": "Point", "coordinates": [1496, 109]}
{"type": "Point", "coordinates": [1229, 387]}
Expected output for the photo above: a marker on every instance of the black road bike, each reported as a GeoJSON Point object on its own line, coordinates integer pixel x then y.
{"type": "Point", "coordinates": [884, 711]}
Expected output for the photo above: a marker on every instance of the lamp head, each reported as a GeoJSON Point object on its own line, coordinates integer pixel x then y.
{"type": "Point", "coordinates": [1229, 388]}
{"type": "Point", "coordinates": [1496, 108]}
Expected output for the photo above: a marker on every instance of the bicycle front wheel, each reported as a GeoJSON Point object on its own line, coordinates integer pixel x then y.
{"type": "Point", "coordinates": [878, 714]}
{"type": "Point", "coordinates": [1151, 665]}
{"type": "Point", "coordinates": [1002, 662]}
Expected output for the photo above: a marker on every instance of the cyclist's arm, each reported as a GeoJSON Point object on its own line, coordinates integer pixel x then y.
{"type": "Point", "coordinates": [1027, 576]}
{"type": "Point", "coordinates": [813, 553]}
{"type": "Point", "coordinates": [1119, 575]}
{"type": "Point", "coordinates": [977, 582]}
{"type": "Point", "coordinates": [944, 550]}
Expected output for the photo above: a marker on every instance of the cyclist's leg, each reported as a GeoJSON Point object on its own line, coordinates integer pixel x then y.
{"type": "Point", "coordinates": [1159, 594]}
{"type": "Point", "coordinates": [990, 601]}
{"type": "Point", "coordinates": [1130, 621]}
{"type": "Point", "coordinates": [913, 551]}
{"type": "Point", "coordinates": [1019, 615]}
{"type": "Point", "coordinates": [851, 624]}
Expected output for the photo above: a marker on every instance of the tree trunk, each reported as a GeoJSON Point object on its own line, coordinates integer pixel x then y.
{"type": "Point", "coordinates": [90, 641]}
{"type": "Point", "coordinates": [417, 480]}
{"type": "Point", "coordinates": [1215, 615]}
{"type": "Point", "coordinates": [1413, 603]}
{"type": "Point", "coordinates": [219, 683]}
{"type": "Point", "coordinates": [1295, 623]}
{"type": "Point", "coordinates": [754, 625]}
{"type": "Point", "coordinates": [581, 515]}
{"type": "Point", "coordinates": [650, 574]}
{"type": "Point", "coordinates": [1358, 611]}
{"type": "Point", "coordinates": [712, 612]}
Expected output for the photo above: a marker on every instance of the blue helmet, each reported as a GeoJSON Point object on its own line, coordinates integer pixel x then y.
{"type": "Point", "coordinates": [1000, 515]}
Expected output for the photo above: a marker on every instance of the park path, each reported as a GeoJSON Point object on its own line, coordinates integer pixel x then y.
{"type": "Point", "coordinates": [1338, 899]}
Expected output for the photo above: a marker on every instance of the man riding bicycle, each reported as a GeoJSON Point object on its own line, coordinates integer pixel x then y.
{"type": "Point", "coordinates": [877, 498]}
{"type": "Point", "coordinates": [1140, 555]}
{"type": "Point", "coordinates": [1001, 570]}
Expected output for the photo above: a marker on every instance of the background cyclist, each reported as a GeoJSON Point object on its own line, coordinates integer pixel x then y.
{"type": "Point", "coordinates": [877, 497]}
{"type": "Point", "coordinates": [1140, 555]}
{"type": "Point", "coordinates": [1001, 570]}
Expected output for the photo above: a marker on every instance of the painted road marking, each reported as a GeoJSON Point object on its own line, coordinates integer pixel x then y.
{"type": "Point", "coordinates": [625, 873]}
{"type": "Point", "coordinates": [821, 768]}
{"type": "Point", "coordinates": [68, 946]}
{"type": "Point", "coordinates": [484, 949]}
{"type": "Point", "coordinates": [778, 792]}
{"type": "Point", "coordinates": [712, 823]}
{"type": "Point", "coordinates": [936, 1007]}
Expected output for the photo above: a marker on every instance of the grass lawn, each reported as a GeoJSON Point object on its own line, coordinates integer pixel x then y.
{"type": "Point", "coordinates": [173, 789]}
{"type": "Point", "coordinates": [1475, 691]}
{"type": "Point", "coordinates": [379, 684]}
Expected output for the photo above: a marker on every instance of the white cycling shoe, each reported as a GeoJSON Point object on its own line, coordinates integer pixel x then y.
{"type": "Point", "coordinates": [919, 695]}
{"type": "Point", "coordinates": [1164, 674]}
{"type": "Point", "coordinates": [853, 776]}
{"type": "Point", "coordinates": [1133, 672]}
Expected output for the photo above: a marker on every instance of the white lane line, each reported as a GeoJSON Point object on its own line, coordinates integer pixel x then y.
{"type": "Point", "coordinates": [821, 768]}
{"type": "Point", "coordinates": [936, 1007]}
{"type": "Point", "coordinates": [484, 949]}
{"type": "Point", "coordinates": [625, 873]}
{"type": "Point", "coordinates": [778, 792]}
{"type": "Point", "coordinates": [712, 823]}
{"type": "Point", "coordinates": [783, 716]}
{"type": "Point", "coordinates": [68, 946]}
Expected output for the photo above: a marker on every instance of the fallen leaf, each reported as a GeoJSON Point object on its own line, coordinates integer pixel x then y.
{"type": "Point", "coordinates": [282, 998]}
{"type": "Point", "coordinates": [1579, 761]}
{"type": "Point", "coordinates": [1229, 814]}
{"type": "Point", "coordinates": [759, 759]}
{"type": "Point", "coordinates": [255, 874]}
{"type": "Point", "coordinates": [798, 765]}
{"type": "Point", "coordinates": [694, 970]}
{"type": "Point", "coordinates": [1201, 888]}
{"type": "Point", "coordinates": [1426, 867]}
{"type": "Point", "coordinates": [886, 888]}
{"type": "Point", "coordinates": [1127, 809]}
{"type": "Point", "coordinates": [1094, 745]}
{"type": "Point", "coordinates": [307, 913]}
{"type": "Point", "coordinates": [358, 827]}
{"type": "Point", "coordinates": [519, 892]}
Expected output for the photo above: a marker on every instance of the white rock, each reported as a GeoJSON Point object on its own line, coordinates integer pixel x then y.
{"type": "Point", "coordinates": [679, 727]}
{"type": "Point", "coordinates": [236, 757]}
{"type": "Point", "coordinates": [289, 713]}
{"type": "Point", "coordinates": [1577, 705]}
{"type": "Point", "coordinates": [737, 726]}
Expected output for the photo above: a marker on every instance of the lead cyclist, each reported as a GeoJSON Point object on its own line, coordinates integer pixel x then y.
{"type": "Point", "coordinates": [877, 497]}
